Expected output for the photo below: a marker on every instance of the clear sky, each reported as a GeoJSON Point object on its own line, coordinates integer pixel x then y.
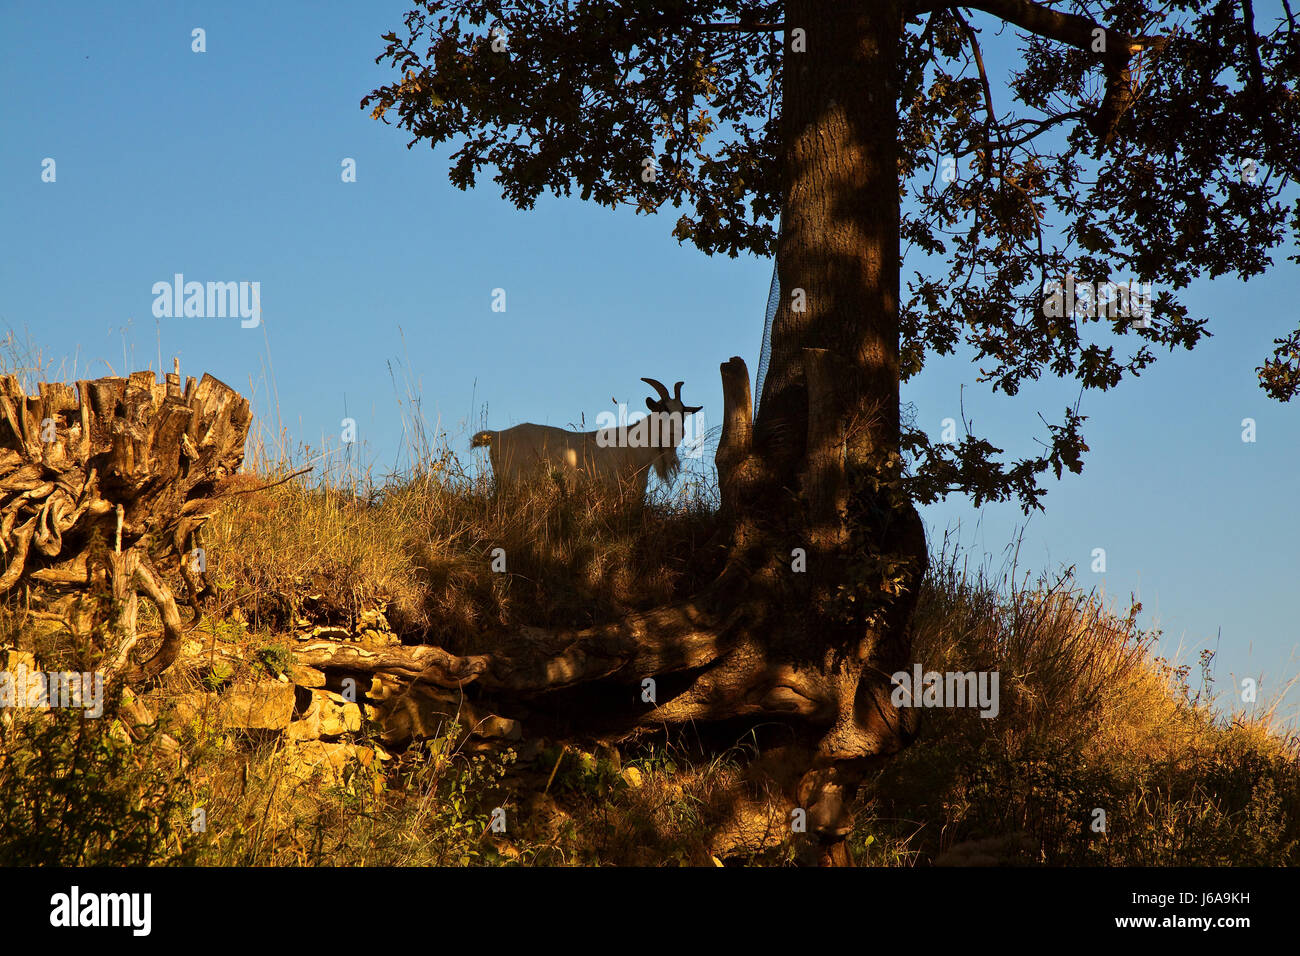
{"type": "Point", "coordinates": [226, 166]}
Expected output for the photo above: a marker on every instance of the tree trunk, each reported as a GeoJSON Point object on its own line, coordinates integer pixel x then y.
{"type": "Point", "coordinates": [838, 257]}
{"type": "Point", "coordinates": [828, 430]}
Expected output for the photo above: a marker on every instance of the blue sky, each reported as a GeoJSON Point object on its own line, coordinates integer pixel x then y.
{"type": "Point", "coordinates": [225, 166]}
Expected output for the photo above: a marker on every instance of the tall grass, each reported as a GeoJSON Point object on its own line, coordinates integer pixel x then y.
{"type": "Point", "coordinates": [422, 543]}
{"type": "Point", "coordinates": [1101, 752]}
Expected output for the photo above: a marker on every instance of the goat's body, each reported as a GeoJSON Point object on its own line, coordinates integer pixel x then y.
{"type": "Point", "coordinates": [534, 451]}
{"type": "Point", "coordinates": [618, 458]}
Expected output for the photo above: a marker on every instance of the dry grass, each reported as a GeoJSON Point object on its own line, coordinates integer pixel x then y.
{"type": "Point", "coordinates": [428, 547]}
{"type": "Point", "coordinates": [1090, 718]}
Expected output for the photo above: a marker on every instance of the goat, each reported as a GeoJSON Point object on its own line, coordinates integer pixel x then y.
{"type": "Point", "coordinates": [618, 457]}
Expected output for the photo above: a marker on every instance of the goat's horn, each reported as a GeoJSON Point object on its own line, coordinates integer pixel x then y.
{"type": "Point", "coordinates": [677, 391]}
{"type": "Point", "coordinates": [658, 387]}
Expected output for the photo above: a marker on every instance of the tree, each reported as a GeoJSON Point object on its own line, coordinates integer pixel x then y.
{"type": "Point", "coordinates": [1147, 141]}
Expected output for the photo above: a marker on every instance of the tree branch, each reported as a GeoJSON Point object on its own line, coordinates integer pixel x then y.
{"type": "Point", "coordinates": [1077, 31]}
{"type": "Point", "coordinates": [990, 119]}
{"type": "Point", "coordinates": [1068, 28]}
{"type": "Point", "coordinates": [1040, 127]}
{"type": "Point", "coordinates": [742, 27]}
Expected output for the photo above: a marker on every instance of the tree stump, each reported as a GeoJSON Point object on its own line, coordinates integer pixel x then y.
{"type": "Point", "coordinates": [102, 479]}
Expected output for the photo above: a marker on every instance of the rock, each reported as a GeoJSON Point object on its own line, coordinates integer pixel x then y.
{"type": "Point", "coordinates": [184, 709]}
{"type": "Point", "coordinates": [497, 728]}
{"type": "Point", "coordinates": [11, 659]}
{"type": "Point", "coordinates": [338, 715]}
{"type": "Point", "coordinates": [374, 620]}
{"type": "Point", "coordinates": [326, 632]}
{"type": "Point", "coordinates": [373, 640]}
{"type": "Point", "coordinates": [305, 676]}
{"type": "Point", "coordinates": [632, 777]}
{"type": "Point", "coordinates": [384, 687]}
{"type": "Point", "coordinates": [327, 762]}
{"type": "Point", "coordinates": [22, 681]}
{"type": "Point", "coordinates": [267, 705]}
{"type": "Point", "coordinates": [212, 660]}
{"type": "Point", "coordinates": [374, 632]}
{"type": "Point", "coordinates": [308, 726]}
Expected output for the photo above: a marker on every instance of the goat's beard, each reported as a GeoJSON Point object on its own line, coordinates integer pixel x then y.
{"type": "Point", "coordinates": [667, 466]}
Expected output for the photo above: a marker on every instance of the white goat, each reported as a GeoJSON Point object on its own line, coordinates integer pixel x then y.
{"type": "Point", "coordinates": [619, 458]}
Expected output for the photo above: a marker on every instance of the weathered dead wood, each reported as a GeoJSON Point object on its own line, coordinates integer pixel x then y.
{"type": "Point", "coordinates": [425, 663]}
{"type": "Point", "coordinates": [746, 485]}
{"type": "Point", "coordinates": [101, 478]}
{"type": "Point", "coordinates": [536, 660]}
{"type": "Point", "coordinates": [735, 444]}
{"type": "Point", "coordinates": [154, 588]}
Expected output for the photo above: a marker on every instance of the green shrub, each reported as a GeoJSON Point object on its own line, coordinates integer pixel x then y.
{"type": "Point", "coordinates": [77, 791]}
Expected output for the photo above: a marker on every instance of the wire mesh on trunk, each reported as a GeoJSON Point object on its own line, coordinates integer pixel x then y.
{"type": "Point", "coordinates": [765, 353]}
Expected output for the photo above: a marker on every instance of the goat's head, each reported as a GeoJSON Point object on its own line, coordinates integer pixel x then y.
{"type": "Point", "coordinates": [671, 412]}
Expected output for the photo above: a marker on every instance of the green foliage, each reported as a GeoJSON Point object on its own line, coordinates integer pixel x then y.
{"type": "Point", "coordinates": [461, 788]}
{"type": "Point", "coordinates": [1073, 175]}
{"type": "Point", "coordinates": [77, 791]}
{"type": "Point", "coordinates": [581, 772]}
{"type": "Point", "coordinates": [655, 760]}
{"type": "Point", "coordinates": [214, 677]}
{"type": "Point", "coordinates": [278, 657]}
